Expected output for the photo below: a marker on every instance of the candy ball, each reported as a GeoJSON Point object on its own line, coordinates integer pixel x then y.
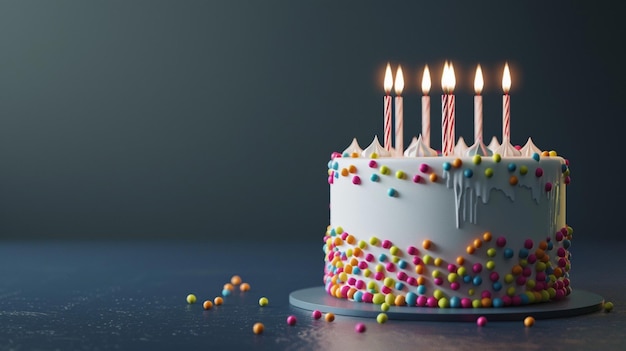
{"type": "Point", "coordinates": [207, 305]}
{"type": "Point", "coordinates": [191, 298]}
{"type": "Point", "coordinates": [529, 321]}
{"type": "Point", "coordinates": [359, 328]}
{"type": "Point", "coordinates": [291, 320]}
{"type": "Point", "coordinates": [481, 321]}
{"type": "Point", "coordinates": [244, 287]}
{"type": "Point", "coordinates": [235, 280]}
{"type": "Point", "coordinates": [608, 306]}
{"type": "Point", "coordinates": [218, 301]}
{"type": "Point", "coordinates": [329, 317]}
{"type": "Point", "coordinates": [258, 328]}
{"type": "Point", "coordinates": [316, 314]}
{"type": "Point", "coordinates": [382, 318]}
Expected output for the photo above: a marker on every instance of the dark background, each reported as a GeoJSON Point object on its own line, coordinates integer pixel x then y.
{"type": "Point", "coordinates": [207, 119]}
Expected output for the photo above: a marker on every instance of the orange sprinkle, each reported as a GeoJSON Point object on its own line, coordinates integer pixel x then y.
{"type": "Point", "coordinates": [218, 301]}
{"type": "Point", "coordinates": [351, 292]}
{"type": "Point", "coordinates": [351, 239]}
{"type": "Point", "coordinates": [539, 253]}
{"type": "Point", "coordinates": [258, 328]}
{"type": "Point", "coordinates": [558, 272]}
{"type": "Point", "coordinates": [419, 269]}
{"type": "Point", "coordinates": [348, 269]}
{"type": "Point", "coordinates": [400, 300]}
{"type": "Point", "coordinates": [338, 241]}
{"type": "Point", "coordinates": [421, 280]}
{"type": "Point", "coordinates": [244, 287]}
{"type": "Point", "coordinates": [354, 155]}
{"type": "Point", "coordinates": [235, 280]}
{"type": "Point", "coordinates": [485, 302]}
{"type": "Point", "coordinates": [344, 172]}
{"type": "Point", "coordinates": [354, 261]}
{"type": "Point", "coordinates": [229, 287]}
{"type": "Point", "coordinates": [352, 169]}
{"type": "Point", "coordinates": [427, 244]}
{"type": "Point", "coordinates": [329, 317]}
{"type": "Point", "coordinates": [487, 236]}
{"type": "Point", "coordinates": [207, 305]}
{"type": "Point", "coordinates": [433, 177]}
{"type": "Point", "coordinates": [460, 260]}
{"type": "Point", "coordinates": [470, 249]}
{"type": "Point", "coordinates": [356, 252]}
{"type": "Point", "coordinates": [545, 153]}
{"type": "Point", "coordinates": [543, 245]}
{"type": "Point", "coordinates": [457, 163]}
{"type": "Point", "coordinates": [333, 288]}
{"type": "Point", "coordinates": [513, 180]}
{"type": "Point", "coordinates": [478, 243]}
{"type": "Point", "coordinates": [517, 269]}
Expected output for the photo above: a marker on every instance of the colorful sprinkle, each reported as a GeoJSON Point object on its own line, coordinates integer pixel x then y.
{"type": "Point", "coordinates": [382, 318]}
{"type": "Point", "coordinates": [359, 328]}
{"type": "Point", "coordinates": [263, 301]}
{"type": "Point", "coordinates": [207, 305]}
{"type": "Point", "coordinates": [258, 328]}
{"type": "Point", "coordinates": [316, 314]}
{"type": "Point", "coordinates": [329, 317]}
{"type": "Point", "coordinates": [291, 320]}
{"type": "Point", "coordinates": [529, 321]}
{"type": "Point", "coordinates": [191, 299]}
{"type": "Point", "coordinates": [481, 321]}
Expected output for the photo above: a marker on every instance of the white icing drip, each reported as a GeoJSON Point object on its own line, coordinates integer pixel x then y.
{"type": "Point", "coordinates": [479, 148]}
{"type": "Point", "coordinates": [529, 149]}
{"type": "Point", "coordinates": [419, 149]}
{"type": "Point", "coordinates": [493, 144]}
{"type": "Point", "coordinates": [506, 149]}
{"type": "Point", "coordinates": [354, 148]}
{"type": "Point", "coordinates": [375, 148]}
{"type": "Point", "coordinates": [461, 147]}
{"type": "Point", "coordinates": [467, 191]}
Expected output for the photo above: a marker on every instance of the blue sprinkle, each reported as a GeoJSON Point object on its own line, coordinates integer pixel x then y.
{"type": "Point", "coordinates": [477, 280]}
{"type": "Point", "coordinates": [563, 168]}
{"type": "Point", "coordinates": [523, 253]}
{"type": "Point", "coordinates": [447, 166]}
{"type": "Point", "coordinates": [497, 302]}
{"type": "Point", "coordinates": [497, 286]}
{"type": "Point", "coordinates": [455, 302]}
{"type": "Point", "coordinates": [335, 165]}
{"type": "Point", "coordinates": [421, 289]}
{"type": "Point", "coordinates": [402, 264]}
{"type": "Point", "coordinates": [392, 192]}
{"type": "Point", "coordinates": [525, 299]}
{"type": "Point", "coordinates": [536, 156]}
{"type": "Point", "coordinates": [399, 286]}
{"type": "Point", "coordinates": [508, 253]}
{"type": "Point", "coordinates": [468, 173]}
{"type": "Point", "coordinates": [411, 299]}
{"type": "Point", "coordinates": [382, 257]}
{"type": "Point", "coordinates": [226, 292]}
{"type": "Point", "coordinates": [356, 270]}
{"type": "Point", "coordinates": [467, 279]}
{"type": "Point", "coordinates": [566, 244]}
{"type": "Point", "coordinates": [374, 177]}
{"type": "Point", "coordinates": [358, 296]}
{"type": "Point", "coordinates": [511, 167]}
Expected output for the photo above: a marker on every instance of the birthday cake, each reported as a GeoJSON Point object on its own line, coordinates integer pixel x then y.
{"type": "Point", "coordinates": [480, 226]}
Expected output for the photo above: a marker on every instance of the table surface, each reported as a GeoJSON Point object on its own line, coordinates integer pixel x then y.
{"type": "Point", "coordinates": [82, 295]}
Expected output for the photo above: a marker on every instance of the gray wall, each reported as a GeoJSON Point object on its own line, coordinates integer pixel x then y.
{"type": "Point", "coordinates": [199, 119]}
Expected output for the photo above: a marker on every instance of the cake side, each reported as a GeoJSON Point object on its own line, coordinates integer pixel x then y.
{"type": "Point", "coordinates": [448, 231]}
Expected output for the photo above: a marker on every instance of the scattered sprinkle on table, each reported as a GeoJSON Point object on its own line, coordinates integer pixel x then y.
{"type": "Point", "coordinates": [263, 301]}
{"type": "Point", "coordinates": [258, 328]}
{"type": "Point", "coordinates": [529, 321]}
{"type": "Point", "coordinates": [191, 298]}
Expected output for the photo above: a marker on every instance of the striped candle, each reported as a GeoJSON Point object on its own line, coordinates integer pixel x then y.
{"type": "Point", "coordinates": [399, 113]}
{"type": "Point", "coordinates": [447, 110]}
{"type": "Point", "coordinates": [478, 105]}
{"type": "Point", "coordinates": [387, 108]}
{"type": "Point", "coordinates": [426, 107]}
{"type": "Point", "coordinates": [506, 105]}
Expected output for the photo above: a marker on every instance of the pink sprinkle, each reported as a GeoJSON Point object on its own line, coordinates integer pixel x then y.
{"type": "Point", "coordinates": [351, 281]}
{"type": "Point", "coordinates": [438, 281]}
{"type": "Point", "coordinates": [455, 286]}
{"type": "Point", "coordinates": [481, 321]}
{"type": "Point", "coordinates": [344, 291]}
{"type": "Point", "coordinates": [527, 272]}
{"type": "Point", "coordinates": [562, 262]}
{"type": "Point", "coordinates": [316, 314]}
{"type": "Point", "coordinates": [421, 300]}
{"type": "Point", "coordinates": [424, 168]}
{"type": "Point", "coordinates": [567, 180]}
{"type": "Point", "coordinates": [390, 267]}
{"type": "Point", "coordinates": [521, 280]}
{"type": "Point", "coordinates": [532, 258]}
{"type": "Point", "coordinates": [516, 300]}
{"type": "Point", "coordinates": [335, 155]}
{"type": "Point", "coordinates": [451, 268]}
{"type": "Point", "coordinates": [501, 241]}
{"type": "Point", "coordinates": [291, 320]}
{"type": "Point", "coordinates": [494, 276]}
{"type": "Point", "coordinates": [386, 244]}
{"type": "Point", "coordinates": [548, 186]}
{"type": "Point", "coordinates": [360, 284]}
{"type": "Point", "coordinates": [558, 236]}
{"type": "Point", "coordinates": [412, 250]}
{"type": "Point", "coordinates": [379, 275]}
{"type": "Point", "coordinates": [485, 294]}
{"type": "Point", "coordinates": [402, 276]}
{"type": "Point", "coordinates": [385, 289]}
{"type": "Point", "coordinates": [367, 297]}
{"type": "Point", "coordinates": [517, 147]}
{"type": "Point", "coordinates": [369, 257]}
{"type": "Point", "coordinates": [417, 178]}
{"type": "Point", "coordinates": [538, 172]}
{"type": "Point", "coordinates": [362, 265]}
{"type": "Point", "coordinates": [411, 281]}
{"type": "Point", "coordinates": [331, 179]}
{"type": "Point", "coordinates": [417, 260]}
{"type": "Point", "coordinates": [356, 180]}
{"type": "Point", "coordinates": [373, 164]}
{"type": "Point", "coordinates": [507, 300]}
{"type": "Point", "coordinates": [528, 243]}
{"type": "Point", "coordinates": [359, 328]}
{"type": "Point", "coordinates": [432, 302]}
{"type": "Point", "coordinates": [477, 267]}
{"type": "Point", "coordinates": [564, 230]}
{"type": "Point", "coordinates": [560, 252]}
{"type": "Point", "coordinates": [344, 235]}
{"type": "Point", "coordinates": [540, 276]}
{"type": "Point", "coordinates": [466, 302]}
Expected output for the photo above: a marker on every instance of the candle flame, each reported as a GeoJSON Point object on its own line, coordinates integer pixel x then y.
{"type": "Point", "coordinates": [448, 81]}
{"type": "Point", "coordinates": [426, 81]}
{"type": "Point", "coordinates": [388, 79]}
{"type": "Point", "coordinates": [506, 79]}
{"type": "Point", "coordinates": [399, 83]}
{"type": "Point", "coordinates": [478, 81]}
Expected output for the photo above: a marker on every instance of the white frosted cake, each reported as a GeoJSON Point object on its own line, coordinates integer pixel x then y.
{"type": "Point", "coordinates": [484, 227]}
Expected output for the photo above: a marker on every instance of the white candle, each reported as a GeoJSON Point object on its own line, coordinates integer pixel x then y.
{"type": "Point", "coordinates": [447, 110]}
{"type": "Point", "coordinates": [506, 105]}
{"type": "Point", "coordinates": [387, 108]}
{"type": "Point", "coordinates": [399, 112]}
{"type": "Point", "coordinates": [426, 107]}
{"type": "Point", "coordinates": [478, 106]}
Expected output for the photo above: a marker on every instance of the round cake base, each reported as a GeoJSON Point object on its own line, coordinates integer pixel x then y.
{"type": "Point", "coordinates": [577, 303]}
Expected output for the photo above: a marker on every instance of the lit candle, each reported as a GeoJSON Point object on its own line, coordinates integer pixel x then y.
{"type": "Point", "coordinates": [447, 110]}
{"type": "Point", "coordinates": [387, 108]}
{"type": "Point", "coordinates": [399, 107]}
{"type": "Point", "coordinates": [506, 105]}
{"type": "Point", "coordinates": [478, 106]}
{"type": "Point", "coordinates": [426, 107]}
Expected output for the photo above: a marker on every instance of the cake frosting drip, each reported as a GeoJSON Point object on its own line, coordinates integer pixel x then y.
{"type": "Point", "coordinates": [418, 148]}
{"type": "Point", "coordinates": [375, 150]}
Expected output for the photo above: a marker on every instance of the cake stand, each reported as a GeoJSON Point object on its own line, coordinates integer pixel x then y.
{"type": "Point", "coordinates": [577, 303]}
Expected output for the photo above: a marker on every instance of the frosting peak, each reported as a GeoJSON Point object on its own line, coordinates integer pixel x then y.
{"type": "Point", "coordinates": [375, 149]}
{"type": "Point", "coordinates": [419, 149]}
{"type": "Point", "coordinates": [529, 149]}
{"type": "Point", "coordinates": [353, 150]}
